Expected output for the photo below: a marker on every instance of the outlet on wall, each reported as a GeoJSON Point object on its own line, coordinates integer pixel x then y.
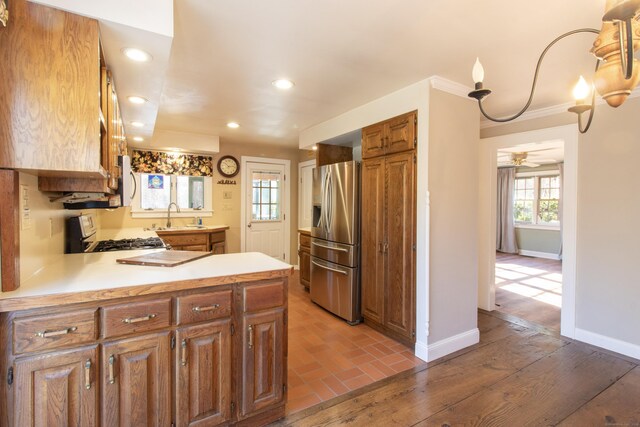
{"type": "Point", "coordinates": [25, 212]}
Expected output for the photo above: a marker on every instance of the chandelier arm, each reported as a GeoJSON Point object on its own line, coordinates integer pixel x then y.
{"type": "Point", "coordinates": [593, 106]}
{"type": "Point", "coordinates": [535, 76]}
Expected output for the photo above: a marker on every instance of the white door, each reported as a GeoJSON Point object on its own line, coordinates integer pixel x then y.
{"type": "Point", "coordinates": [305, 193]}
{"type": "Point", "coordinates": [265, 200]}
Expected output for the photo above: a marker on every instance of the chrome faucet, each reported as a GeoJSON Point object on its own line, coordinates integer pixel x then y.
{"type": "Point", "coordinates": [169, 213]}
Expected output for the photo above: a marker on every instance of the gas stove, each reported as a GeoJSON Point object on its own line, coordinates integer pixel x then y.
{"type": "Point", "coordinates": [128, 244]}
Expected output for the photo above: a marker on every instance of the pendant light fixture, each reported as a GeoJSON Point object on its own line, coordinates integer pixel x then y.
{"type": "Point", "coordinates": [616, 71]}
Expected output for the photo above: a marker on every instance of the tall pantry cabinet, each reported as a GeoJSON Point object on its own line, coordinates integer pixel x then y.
{"type": "Point", "coordinates": [388, 226]}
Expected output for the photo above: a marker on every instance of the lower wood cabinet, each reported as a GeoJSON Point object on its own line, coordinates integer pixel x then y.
{"type": "Point", "coordinates": [197, 240]}
{"type": "Point", "coordinates": [304, 252]}
{"type": "Point", "coordinates": [262, 375]}
{"type": "Point", "coordinates": [57, 390]}
{"type": "Point", "coordinates": [216, 357]}
{"type": "Point", "coordinates": [136, 382]}
{"type": "Point", "coordinates": [203, 374]}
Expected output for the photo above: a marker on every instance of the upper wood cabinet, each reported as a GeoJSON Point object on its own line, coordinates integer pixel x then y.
{"type": "Point", "coordinates": [59, 113]}
{"type": "Point", "coordinates": [391, 136]}
{"type": "Point", "coordinates": [49, 91]}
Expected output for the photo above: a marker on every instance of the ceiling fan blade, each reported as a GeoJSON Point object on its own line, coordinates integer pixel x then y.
{"type": "Point", "coordinates": [530, 165]}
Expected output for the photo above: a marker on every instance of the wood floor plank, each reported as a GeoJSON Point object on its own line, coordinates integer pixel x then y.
{"type": "Point", "coordinates": [543, 393]}
{"type": "Point", "coordinates": [428, 392]}
{"type": "Point", "coordinates": [619, 405]}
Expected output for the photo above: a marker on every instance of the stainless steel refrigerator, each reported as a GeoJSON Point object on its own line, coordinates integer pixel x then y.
{"type": "Point", "coordinates": [335, 240]}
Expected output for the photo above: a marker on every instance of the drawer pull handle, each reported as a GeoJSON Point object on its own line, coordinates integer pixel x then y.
{"type": "Point", "coordinates": [335, 270]}
{"type": "Point", "coordinates": [183, 359]}
{"type": "Point", "coordinates": [51, 334]}
{"type": "Point", "coordinates": [112, 376]}
{"type": "Point", "coordinates": [209, 308]}
{"type": "Point", "coordinates": [250, 336]}
{"type": "Point", "coordinates": [130, 320]}
{"type": "Point", "coordinates": [87, 374]}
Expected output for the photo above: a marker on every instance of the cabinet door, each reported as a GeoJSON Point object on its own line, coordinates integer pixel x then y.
{"type": "Point", "coordinates": [57, 389]}
{"type": "Point", "coordinates": [373, 140]}
{"type": "Point", "coordinates": [305, 267]}
{"type": "Point", "coordinates": [400, 268]}
{"type": "Point", "coordinates": [135, 382]}
{"type": "Point", "coordinates": [262, 360]}
{"type": "Point", "coordinates": [113, 130]}
{"type": "Point", "coordinates": [203, 374]}
{"type": "Point", "coordinates": [217, 248]}
{"type": "Point", "coordinates": [372, 241]}
{"type": "Point", "coordinates": [401, 133]}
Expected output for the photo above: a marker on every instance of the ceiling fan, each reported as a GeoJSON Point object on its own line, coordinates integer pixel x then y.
{"type": "Point", "coordinates": [520, 159]}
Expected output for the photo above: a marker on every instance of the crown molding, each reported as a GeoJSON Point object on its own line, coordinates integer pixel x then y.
{"type": "Point", "coordinates": [547, 111]}
{"type": "Point", "coordinates": [449, 86]}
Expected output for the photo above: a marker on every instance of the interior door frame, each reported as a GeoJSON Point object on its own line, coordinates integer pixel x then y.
{"type": "Point", "coordinates": [487, 216]}
{"type": "Point", "coordinates": [286, 201]}
{"type": "Point", "coordinates": [301, 165]}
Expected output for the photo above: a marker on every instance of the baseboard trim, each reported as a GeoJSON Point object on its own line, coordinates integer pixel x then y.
{"type": "Point", "coordinates": [608, 343]}
{"type": "Point", "coordinates": [449, 345]}
{"type": "Point", "coordinates": [422, 351]}
{"type": "Point", "coordinates": [536, 254]}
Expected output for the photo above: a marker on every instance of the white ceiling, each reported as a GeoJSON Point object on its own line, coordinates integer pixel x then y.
{"type": "Point", "coordinates": [543, 152]}
{"type": "Point", "coordinates": [342, 54]}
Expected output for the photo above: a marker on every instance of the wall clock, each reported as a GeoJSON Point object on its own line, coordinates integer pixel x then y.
{"type": "Point", "coordinates": [228, 166]}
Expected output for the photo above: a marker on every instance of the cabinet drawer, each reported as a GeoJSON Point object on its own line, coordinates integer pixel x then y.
{"type": "Point", "coordinates": [262, 297]}
{"type": "Point", "coordinates": [185, 239]}
{"type": "Point", "coordinates": [200, 248]}
{"type": "Point", "coordinates": [136, 317]}
{"type": "Point", "coordinates": [200, 307]}
{"type": "Point", "coordinates": [47, 332]}
{"type": "Point", "coordinates": [305, 240]}
{"type": "Point", "coordinates": [217, 237]}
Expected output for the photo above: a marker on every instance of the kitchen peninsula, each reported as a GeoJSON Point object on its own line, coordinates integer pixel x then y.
{"type": "Point", "coordinates": [201, 341]}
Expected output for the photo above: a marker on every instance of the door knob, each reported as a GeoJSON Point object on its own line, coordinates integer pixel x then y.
{"type": "Point", "coordinates": [249, 225]}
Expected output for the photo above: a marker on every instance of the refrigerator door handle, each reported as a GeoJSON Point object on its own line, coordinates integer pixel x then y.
{"type": "Point", "coordinates": [335, 270]}
{"type": "Point", "coordinates": [329, 247]}
{"type": "Point", "coordinates": [329, 201]}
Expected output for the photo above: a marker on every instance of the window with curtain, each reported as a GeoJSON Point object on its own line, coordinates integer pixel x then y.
{"type": "Point", "coordinates": [536, 200]}
{"type": "Point", "coordinates": [266, 187]}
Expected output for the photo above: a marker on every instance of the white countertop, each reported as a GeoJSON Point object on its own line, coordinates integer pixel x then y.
{"type": "Point", "coordinates": [95, 272]}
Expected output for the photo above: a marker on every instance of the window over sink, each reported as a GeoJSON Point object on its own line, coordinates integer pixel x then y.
{"type": "Point", "coordinates": [192, 194]}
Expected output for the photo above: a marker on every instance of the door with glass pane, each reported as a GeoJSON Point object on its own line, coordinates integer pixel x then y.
{"type": "Point", "coordinates": [265, 220]}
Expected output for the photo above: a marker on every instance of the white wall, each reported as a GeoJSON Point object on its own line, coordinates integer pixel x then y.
{"type": "Point", "coordinates": [417, 97]}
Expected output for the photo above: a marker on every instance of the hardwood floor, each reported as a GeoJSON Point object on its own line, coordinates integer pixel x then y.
{"type": "Point", "coordinates": [529, 288]}
{"type": "Point", "coordinates": [516, 375]}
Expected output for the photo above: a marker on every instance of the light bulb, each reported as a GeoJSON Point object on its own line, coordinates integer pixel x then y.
{"type": "Point", "coordinates": [581, 89]}
{"type": "Point", "coordinates": [478, 72]}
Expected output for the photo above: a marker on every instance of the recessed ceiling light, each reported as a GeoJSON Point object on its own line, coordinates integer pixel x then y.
{"type": "Point", "coordinates": [138, 138]}
{"type": "Point", "coordinates": [137, 124]}
{"type": "Point", "coordinates": [136, 100]}
{"type": "Point", "coordinates": [233, 125]}
{"type": "Point", "coordinates": [282, 84]}
{"type": "Point", "coordinates": [137, 54]}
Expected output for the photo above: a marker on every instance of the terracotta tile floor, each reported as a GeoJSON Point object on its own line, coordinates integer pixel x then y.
{"type": "Point", "coordinates": [328, 358]}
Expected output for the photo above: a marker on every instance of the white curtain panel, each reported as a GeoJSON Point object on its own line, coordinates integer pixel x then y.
{"type": "Point", "coordinates": [505, 230]}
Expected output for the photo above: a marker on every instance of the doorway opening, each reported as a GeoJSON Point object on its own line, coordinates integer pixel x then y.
{"type": "Point", "coordinates": [533, 276]}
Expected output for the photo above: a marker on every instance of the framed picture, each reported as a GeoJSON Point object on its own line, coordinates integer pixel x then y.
{"type": "Point", "coordinates": [4, 12]}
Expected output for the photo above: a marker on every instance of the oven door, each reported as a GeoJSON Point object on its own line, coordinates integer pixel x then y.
{"type": "Point", "coordinates": [335, 288]}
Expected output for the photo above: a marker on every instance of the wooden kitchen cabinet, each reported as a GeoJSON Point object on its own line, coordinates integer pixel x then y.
{"type": "Point", "coordinates": [304, 252]}
{"type": "Point", "coordinates": [155, 360]}
{"type": "Point", "coordinates": [263, 346]}
{"type": "Point", "coordinates": [390, 136]}
{"type": "Point", "coordinates": [203, 240]}
{"type": "Point", "coordinates": [203, 374]}
{"type": "Point", "coordinates": [136, 375]}
{"type": "Point", "coordinates": [57, 390]}
{"type": "Point", "coordinates": [388, 239]}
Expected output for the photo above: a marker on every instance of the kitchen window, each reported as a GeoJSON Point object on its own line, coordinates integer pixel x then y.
{"type": "Point", "coordinates": [536, 201]}
{"type": "Point", "coordinates": [193, 194]}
